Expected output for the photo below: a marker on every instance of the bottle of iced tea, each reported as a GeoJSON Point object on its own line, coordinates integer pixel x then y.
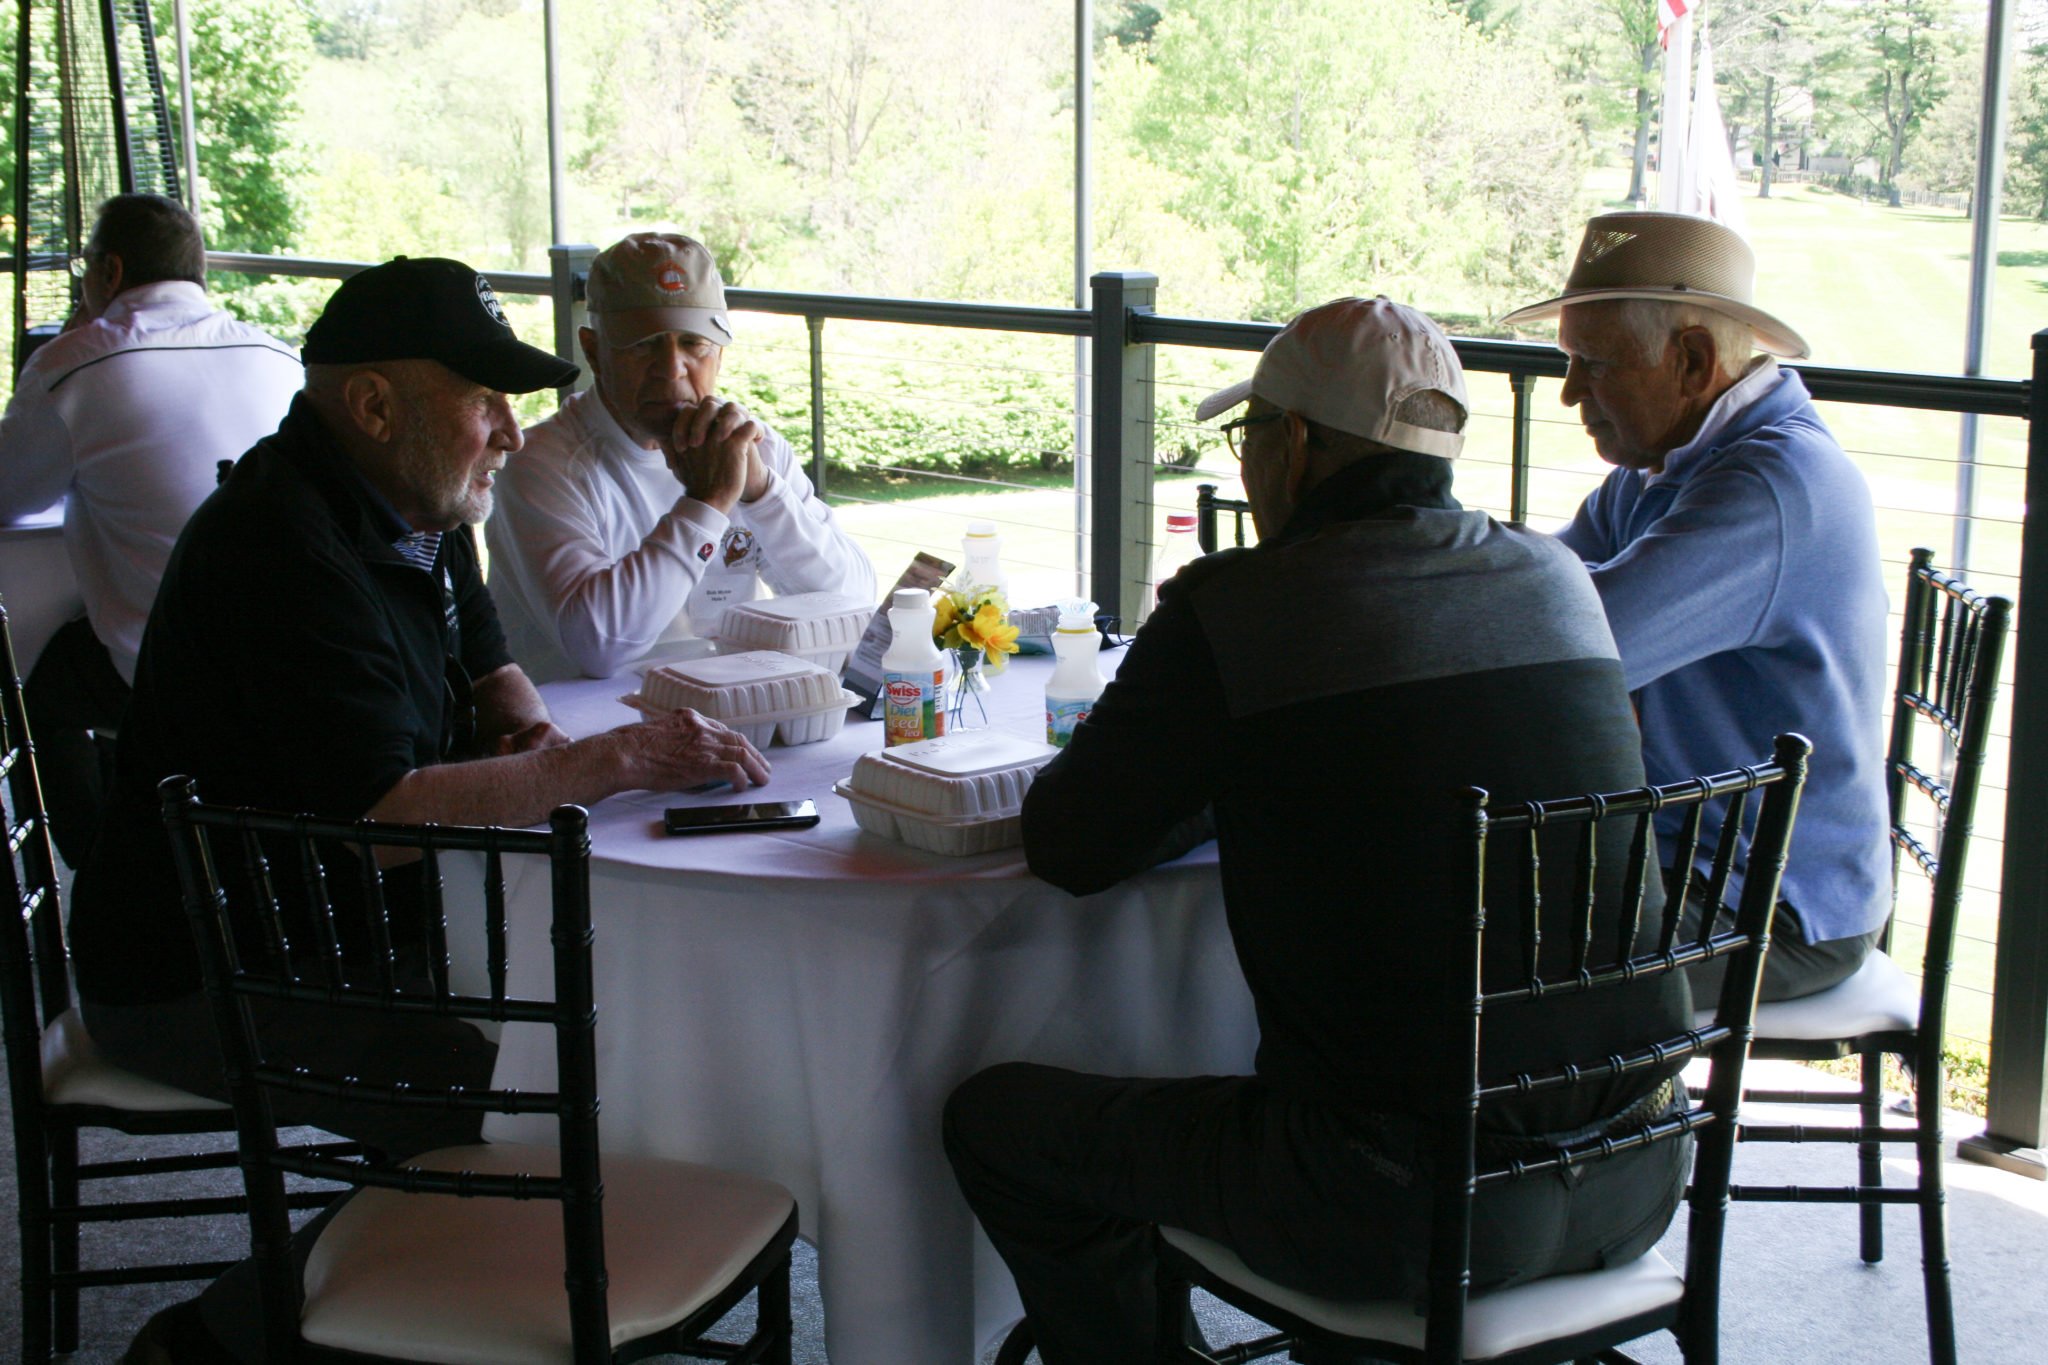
{"type": "Point", "coordinates": [913, 672]}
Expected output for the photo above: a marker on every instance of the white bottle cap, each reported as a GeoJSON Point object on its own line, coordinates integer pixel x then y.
{"type": "Point", "coordinates": [1077, 616]}
{"type": "Point", "coordinates": [981, 529]}
{"type": "Point", "coordinates": [909, 599]}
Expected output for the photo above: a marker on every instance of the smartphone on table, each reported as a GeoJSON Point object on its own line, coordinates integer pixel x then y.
{"type": "Point", "coordinates": [751, 815]}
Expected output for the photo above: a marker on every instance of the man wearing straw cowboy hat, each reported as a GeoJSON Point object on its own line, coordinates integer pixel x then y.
{"type": "Point", "coordinates": [1735, 550]}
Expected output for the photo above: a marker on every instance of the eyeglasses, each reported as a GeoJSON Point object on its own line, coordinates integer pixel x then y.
{"type": "Point", "coordinates": [1232, 428]}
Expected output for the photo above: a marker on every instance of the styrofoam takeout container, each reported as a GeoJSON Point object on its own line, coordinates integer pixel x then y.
{"type": "Point", "coordinates": [820, 627]}
{"type": "Point", "coordinates": [760, 693]}
{"type": "Point", "coordinates": [959, 794]}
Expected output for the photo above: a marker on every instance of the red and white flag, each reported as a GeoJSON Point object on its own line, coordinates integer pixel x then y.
{"type": "Point", "coordinates": [1669, 12]}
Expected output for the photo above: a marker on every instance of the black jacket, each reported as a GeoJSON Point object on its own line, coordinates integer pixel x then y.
{"type": "Point", "coordinates": [1328, 693]}
{"type": "Point", "coordinates": [293, 660]}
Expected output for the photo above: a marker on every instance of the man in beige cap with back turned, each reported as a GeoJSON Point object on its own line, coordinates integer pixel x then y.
{"type": "Point", "coordinates": [1325, 694]}
{"type": "Point", "coordinates": [1736, 552]}
{"type": "Point", "coordinates": [648, 504]}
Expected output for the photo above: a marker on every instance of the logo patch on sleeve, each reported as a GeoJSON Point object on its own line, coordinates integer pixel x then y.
{"type": "Point", "coordinates": [704, 552]}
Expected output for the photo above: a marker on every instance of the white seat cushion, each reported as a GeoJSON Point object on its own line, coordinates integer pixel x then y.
{"type": "Point", "coordinates": [479, 1281]}
{"type": "Point", "coordinates": [74, 1072]}
{"type": "Point", "coordinates": [1495, 1324]}
{"type": "Point", "coordinates": [1879, 998]}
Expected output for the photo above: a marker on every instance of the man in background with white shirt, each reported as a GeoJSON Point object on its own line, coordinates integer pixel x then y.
{"type": "Point", "coordinates": [644, 507]}
{"type": "Point", "coordinates": [127, 414]}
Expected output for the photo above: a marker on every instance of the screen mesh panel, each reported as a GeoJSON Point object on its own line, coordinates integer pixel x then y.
{"type": "Point", "coordinates": [91, 121]}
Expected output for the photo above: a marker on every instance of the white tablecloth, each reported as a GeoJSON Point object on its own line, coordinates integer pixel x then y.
{"type": "Point", "coordinates": [799, 1005]}
{"type": "Point", "coordinates": [36, 583]}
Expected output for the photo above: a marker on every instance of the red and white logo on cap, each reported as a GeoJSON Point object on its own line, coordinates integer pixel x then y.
{"type": "Point", "coordinates": [670, 280]}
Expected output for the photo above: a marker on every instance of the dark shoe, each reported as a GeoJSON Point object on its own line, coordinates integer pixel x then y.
{"type": "Point", "coordinates": [176, 1336]}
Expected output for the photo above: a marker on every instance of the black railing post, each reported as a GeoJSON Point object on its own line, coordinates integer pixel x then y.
{"type": "Point", "coordinates": [1121, 489]}
{"type": "Point", "coordinates": [1524, 386]}
{"type": "Point", "coordinates": [2018, 1107]}
{"type": "Point", "coordinates": [814, 323]}
{"type": "Point", "coordinates": [568, 272]}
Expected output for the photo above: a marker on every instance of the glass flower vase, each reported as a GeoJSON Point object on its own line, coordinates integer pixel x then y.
{"type": "Point", "coordinates": [967, 710]}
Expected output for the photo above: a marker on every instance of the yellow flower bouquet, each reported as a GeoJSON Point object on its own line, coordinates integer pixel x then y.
{"type": "Point", "coordinates": [975, 620]}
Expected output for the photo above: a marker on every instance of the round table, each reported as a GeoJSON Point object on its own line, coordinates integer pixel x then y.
{"type": "Point", "coordinates": [799, 1004]}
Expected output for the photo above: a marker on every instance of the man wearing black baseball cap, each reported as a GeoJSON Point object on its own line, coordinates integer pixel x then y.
{"type": "Point", "coordinates": [323, 642]}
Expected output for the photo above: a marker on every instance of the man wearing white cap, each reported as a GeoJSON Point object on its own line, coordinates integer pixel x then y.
{"type": "Point", "coordinates": [1324, 694]}
{"type": "Point", "coordinates": [648, 504]}
{"type": "Point", "coordinates": [1736, 552]}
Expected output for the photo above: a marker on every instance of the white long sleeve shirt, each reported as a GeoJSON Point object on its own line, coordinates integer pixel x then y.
{"type": "Point", "coordinates": [598, 558]}
{"type": "Point", "coordinates": [128, 418]}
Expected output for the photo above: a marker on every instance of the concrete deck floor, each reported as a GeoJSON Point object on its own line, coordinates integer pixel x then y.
{"type": "Point", "coordinates": [1795, 1288]}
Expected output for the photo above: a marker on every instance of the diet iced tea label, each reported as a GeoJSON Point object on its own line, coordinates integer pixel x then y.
{"type": "Point", "coordinates": [911, 708]}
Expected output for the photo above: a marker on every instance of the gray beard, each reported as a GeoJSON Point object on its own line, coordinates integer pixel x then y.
{"type": "Point", "coordinates": [444, 495]}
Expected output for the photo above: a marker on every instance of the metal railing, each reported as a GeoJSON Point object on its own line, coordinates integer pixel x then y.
{"type": "Point", "coordinates": [1125, 331]}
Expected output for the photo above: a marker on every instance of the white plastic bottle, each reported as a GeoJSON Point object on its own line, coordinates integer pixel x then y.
{"type": "Point", "coordinates": [1076, 680]}
{"type": "Point", "coordinates": [913, 672]}
{"type": "Point", "coordinates": [982, 550]}
{"type": "Point", "coordinates": [1178, 549]}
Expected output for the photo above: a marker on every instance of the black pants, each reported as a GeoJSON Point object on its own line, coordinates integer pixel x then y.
{"type": "Point", "coordinates": [174, 1042]}
{"type": "Point", "coordinates": [72, 693]}
{"type": "Point", "coordinates": [1794, 967]}
{"type": "Point", "coordinates": [1068, 1173]}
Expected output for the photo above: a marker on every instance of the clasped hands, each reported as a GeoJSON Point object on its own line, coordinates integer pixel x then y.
{"type": "Point", "coordinates": [714, 450]}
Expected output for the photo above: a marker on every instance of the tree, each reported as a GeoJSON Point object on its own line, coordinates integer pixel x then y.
{"type": "Point", "coordinates": [247, 57]}
{"type": "Point", "coordinates": [1580, 45]}
{"type": "Point", "coordinates": [2026, 175]}
{"type": "Point", "coordinates": [7, 88]}
{"type": "Point", "coordinates": [1772, 57]}
{"type": "Point", "coordinates": [1637, 20]}
{"type": "Point", "coordinates": [353, 30]}
{"type": "Point", "coordinates": [1908, 45]}
{"type": "Point", "coordinates": [1942, 156]}
{"type": "Point", "coordinates": [500, 179]}
{"type": "Point", "coordinates": [1130, 22]}
{"type": "Point", "coordinates": [1328, 167]}
{"type": "Point", "coordinates": [1487, 15]}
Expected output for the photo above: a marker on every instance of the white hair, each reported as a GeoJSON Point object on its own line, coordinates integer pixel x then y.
{"type": "Point", "coordinates": [1649, 324]}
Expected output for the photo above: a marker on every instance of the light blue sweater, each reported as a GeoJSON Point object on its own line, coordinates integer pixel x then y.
{"type": "Point", "coordinates": [1744, 589]}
